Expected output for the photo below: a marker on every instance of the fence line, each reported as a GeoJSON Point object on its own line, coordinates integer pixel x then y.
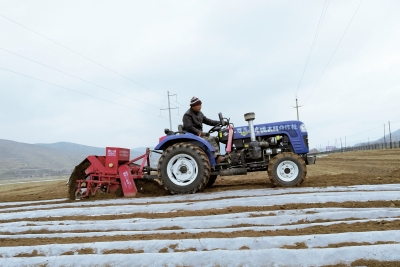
{"type": "Point", "coordinates": [374, 146]}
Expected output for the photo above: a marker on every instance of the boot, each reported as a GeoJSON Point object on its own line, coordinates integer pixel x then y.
{"type": "Point", "coordinates": [221, 159]}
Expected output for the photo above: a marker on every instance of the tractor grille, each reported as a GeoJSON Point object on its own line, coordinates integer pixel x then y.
{"type": "Point", "coordinates": [305, 138]}
{"type": "Point", "coordinates": [296, 144]}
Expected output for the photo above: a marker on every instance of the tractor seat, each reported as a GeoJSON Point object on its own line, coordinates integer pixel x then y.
{"type": "Point", "coordinates": [180, 130]}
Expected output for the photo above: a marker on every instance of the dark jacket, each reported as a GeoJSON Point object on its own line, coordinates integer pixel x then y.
{"type": "Point", "coordinates": [193, 121]}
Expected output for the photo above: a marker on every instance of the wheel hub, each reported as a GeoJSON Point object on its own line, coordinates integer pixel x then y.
{"type": "Point", "coordinates": [182, 169]}
{"type": "Point", "coordinates": [287, 170]}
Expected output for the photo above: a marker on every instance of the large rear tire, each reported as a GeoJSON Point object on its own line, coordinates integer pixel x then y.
{"type": "Point", "coordinates": [184, 168]}
{"type": "Point", "coordinates": [287, 169]}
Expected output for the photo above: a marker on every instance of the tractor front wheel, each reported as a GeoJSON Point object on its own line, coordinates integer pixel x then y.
{"type": "Point", "coordinates": [184, 168]}
{"type": "Point", "coordinates": [287, 169]}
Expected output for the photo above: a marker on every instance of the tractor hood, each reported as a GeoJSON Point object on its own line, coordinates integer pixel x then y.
{"type": "Point", "coordinates": [293, 128]}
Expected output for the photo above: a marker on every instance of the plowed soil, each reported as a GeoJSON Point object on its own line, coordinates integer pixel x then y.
{"type": "Point", "coordinates": [339, 169]}
{"type": "Point", "coordinates": [376, 167]}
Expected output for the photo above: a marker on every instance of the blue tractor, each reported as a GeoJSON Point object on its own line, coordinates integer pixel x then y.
{"type": "Point", "coordinates": [187, 163]}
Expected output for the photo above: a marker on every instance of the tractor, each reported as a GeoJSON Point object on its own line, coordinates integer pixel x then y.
{"type": "Point", "coordinates": [187, 164]}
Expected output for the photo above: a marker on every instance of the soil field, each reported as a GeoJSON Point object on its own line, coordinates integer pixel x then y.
{"type": "Point", "coordinates": [347, 213]}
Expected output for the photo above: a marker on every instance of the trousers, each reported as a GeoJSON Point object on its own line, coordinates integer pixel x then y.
{"type": "Point", "coordinates": [213, 141]}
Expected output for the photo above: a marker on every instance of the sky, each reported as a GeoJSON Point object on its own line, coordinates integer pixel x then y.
{"type": "Point", "coordinates": [98, 73]}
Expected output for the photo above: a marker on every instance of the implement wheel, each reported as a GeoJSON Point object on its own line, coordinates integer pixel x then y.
{"type": "Point", "coordinates": [78, 195]}
{"type": "Point", "coordinates": [287, 169]}
{"type": "Point", "coordinates": [77, 174]}
{"type": "Point", "coordinates": [184, 168]}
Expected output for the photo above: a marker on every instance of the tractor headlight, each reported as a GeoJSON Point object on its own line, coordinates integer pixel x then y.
{"type": "Point", "coordinates": [303, 128]}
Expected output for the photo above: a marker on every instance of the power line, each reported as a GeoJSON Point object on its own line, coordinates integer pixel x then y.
{"type": "Point", "coordinates": [321, 19]}
{"type": "Point", "coordinates": [80, 54]}
{"type": "Point", "coordinates": [335, 50]}
{"type": "Point", "coordinates": [364, 131]}
{"type": "Point", "coordinates": [66, 88]}
{"type": "Point", "coordinates": [76, 77]}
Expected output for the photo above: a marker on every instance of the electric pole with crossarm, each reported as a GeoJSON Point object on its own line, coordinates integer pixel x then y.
{"type": "Point", "coordinates": [169, 109]}
{"type": "Point", "coordinates": [297, 109]}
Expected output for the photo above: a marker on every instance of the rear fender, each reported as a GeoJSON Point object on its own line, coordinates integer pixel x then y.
{"type": "Point", "coordinates": [169, 140]}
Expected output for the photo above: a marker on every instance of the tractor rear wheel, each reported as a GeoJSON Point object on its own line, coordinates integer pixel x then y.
{"type": "Point", "coordinates": [211, 181]}
{"type": "Point", "coordinates": [287, 169]}
{"type": "Point", "coordinates": [184, 168]}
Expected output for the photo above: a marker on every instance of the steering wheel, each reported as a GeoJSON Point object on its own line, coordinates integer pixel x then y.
{"type": "Point", "coordinates": [221, 118]}
{"type": "Point", "coordinates": [215, 128]}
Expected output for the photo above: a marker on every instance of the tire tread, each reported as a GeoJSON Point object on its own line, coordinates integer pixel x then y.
{"type": "Point", "coordinates": [303, 169]}
{"type": "Point", "coordinates": [204, 161]}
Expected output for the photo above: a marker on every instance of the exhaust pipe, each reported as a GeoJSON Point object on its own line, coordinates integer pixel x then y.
{"type": "Point", "coordinates": [249, 117]}
{"type": "Point", "coordinates": [254, 145]}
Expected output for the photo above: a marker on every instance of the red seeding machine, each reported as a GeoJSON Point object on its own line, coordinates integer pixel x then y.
{"type": "Point", "coordinates": [112, 173]}
{"type": "Point", "coordinates": [187, 164]}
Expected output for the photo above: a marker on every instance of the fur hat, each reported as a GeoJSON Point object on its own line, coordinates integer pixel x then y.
{"type": "Point", "coordinates": [195, 101]}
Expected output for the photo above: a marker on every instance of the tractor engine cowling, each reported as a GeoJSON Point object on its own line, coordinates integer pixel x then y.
{"type": "Point", "coordinates": [254, 146]}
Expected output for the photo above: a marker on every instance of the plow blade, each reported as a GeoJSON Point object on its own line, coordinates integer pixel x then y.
{"type": "Point", "coordinates": [127, 183]}
{"type": "Point", "coordinates": [77, 174]}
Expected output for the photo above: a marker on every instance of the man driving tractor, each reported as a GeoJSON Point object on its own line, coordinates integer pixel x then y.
{"type": "Point", "coordinates": [193, 120]}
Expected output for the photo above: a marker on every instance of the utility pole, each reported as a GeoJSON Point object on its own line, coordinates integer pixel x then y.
{"type": "Point", "coordinates": [345, 146]}
{"type": "Point", "coordinates": [384, 134]}
{"type": "Point", "coordinates": [297, 109]}
{"type": "Point", "coordinates": [169, 110]}
{"type": "Point", "coordinates": [341, 145]}
{"type": "Point", "coordinates": [390, 136]}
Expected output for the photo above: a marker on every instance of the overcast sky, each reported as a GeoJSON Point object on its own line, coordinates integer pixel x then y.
{"type": "Point", "coordinates": [99, 71]}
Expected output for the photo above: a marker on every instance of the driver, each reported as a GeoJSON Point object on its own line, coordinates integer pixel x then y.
{"type": "Point", "coordinates": [193, 121]}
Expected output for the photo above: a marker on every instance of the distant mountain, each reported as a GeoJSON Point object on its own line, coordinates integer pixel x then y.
{"type": "Point", "coordinates": [395, 137]}
{"type": "Point", "coordinates": [88, 150]}
{"type": "Point", "coordinates": [314, 150]}
{"type": "Point", "coordinates": [76, 148]}
{"type": "Point", "coordinates": [22, 160]}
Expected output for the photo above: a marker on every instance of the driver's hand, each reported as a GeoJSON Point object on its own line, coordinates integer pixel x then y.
{"type": "Point", "coordinates": [200, 134]}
